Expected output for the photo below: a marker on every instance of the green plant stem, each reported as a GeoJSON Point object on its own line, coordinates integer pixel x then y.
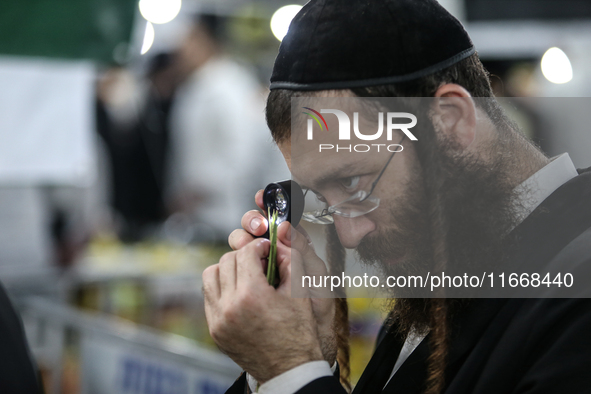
{"type": "Point", "coordinates": [272, 259]}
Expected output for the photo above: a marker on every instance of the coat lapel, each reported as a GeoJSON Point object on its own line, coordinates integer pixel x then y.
{"type": "Point", "coordinates": [380, 366]}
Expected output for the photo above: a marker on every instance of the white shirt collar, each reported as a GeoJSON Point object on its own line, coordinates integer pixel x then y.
{"type": "Point", "coordinates": [540, 185]}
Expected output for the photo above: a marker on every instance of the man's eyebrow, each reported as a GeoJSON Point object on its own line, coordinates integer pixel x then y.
{"type": "Point", "coordinates": [342, 172]}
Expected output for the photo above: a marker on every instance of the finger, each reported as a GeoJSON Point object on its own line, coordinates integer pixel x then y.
{"type": "Point", "coordinates": [248, 262]}
{"type": "Point", "coordinates": [299, 239]}
{"type": "Point", "coordinates": [298, 274]}
{"type": "Point", "coordinates": [211, 284]}
{"type": "Point", "coordinates": [239, 238]}
{"type": "Point", "coordinates": [303, 231]}
{"type": "Point", "coordinates": [312, 264]}
{"type": "Point", "coordinates": [227, 273]}
{"type": "Point", "coordinates": [210, 313]}
{"type": "Point", "coordinates": [254, 222]}
{"type": "Point", "coordinates": [292, 273]}
{"type": "Point", "coordinates": [211, 307]}
{"type": "Point", "coordinates": [258, 199]}
{"type": "Point", "coordinates": [285, 258]}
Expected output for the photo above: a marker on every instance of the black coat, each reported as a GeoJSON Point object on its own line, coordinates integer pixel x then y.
{"type": "Point", "coordinates": [533, 346]}
{"type": "Point", "coordinates": [18, 374]}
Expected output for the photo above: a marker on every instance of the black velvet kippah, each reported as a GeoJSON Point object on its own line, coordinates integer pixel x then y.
{"type": "Point", "coordinates": [338, 44]}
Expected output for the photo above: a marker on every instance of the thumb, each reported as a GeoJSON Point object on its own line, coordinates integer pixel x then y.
{"type": "Point", "coordinates": [258, 199]}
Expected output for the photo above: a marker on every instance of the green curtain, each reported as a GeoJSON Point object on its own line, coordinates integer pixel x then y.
{"type": "Point", "coordinates": [71, 29]}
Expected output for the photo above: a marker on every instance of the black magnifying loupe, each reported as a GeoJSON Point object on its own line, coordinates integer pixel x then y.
{"type": "Point", "coordinates": [287, 199]}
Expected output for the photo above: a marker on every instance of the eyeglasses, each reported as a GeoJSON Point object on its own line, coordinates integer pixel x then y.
{"type": "Point", "coordinates": [358, 204]}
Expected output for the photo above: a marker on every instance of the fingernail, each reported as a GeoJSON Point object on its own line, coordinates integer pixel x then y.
{"type": "Point", "coordinates": [288, 232]}
{"type": "Point", "coordinates": [255, 223]}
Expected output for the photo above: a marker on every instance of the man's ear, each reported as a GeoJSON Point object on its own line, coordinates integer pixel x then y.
{"type": "Point", "coordinates": [454, 114]}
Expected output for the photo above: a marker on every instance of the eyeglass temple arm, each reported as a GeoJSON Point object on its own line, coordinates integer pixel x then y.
{"type": "Point", "coordinates": [373, 185]}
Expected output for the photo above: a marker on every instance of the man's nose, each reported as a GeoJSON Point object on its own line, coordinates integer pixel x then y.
{"type": "Point", "coordinates": [352, 230]}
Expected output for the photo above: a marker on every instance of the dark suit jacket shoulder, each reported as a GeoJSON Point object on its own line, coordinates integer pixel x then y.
{"type": "Point", "coordinates": [18, 374]}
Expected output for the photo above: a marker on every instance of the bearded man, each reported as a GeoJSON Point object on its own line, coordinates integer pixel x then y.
{"type": "Point", "coordinates": [471, 191]}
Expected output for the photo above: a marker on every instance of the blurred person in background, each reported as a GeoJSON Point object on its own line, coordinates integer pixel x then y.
{"type": "Point", "coordinates": [132, 119]}
{"type": "Point", "coordinates": [220, 148]}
